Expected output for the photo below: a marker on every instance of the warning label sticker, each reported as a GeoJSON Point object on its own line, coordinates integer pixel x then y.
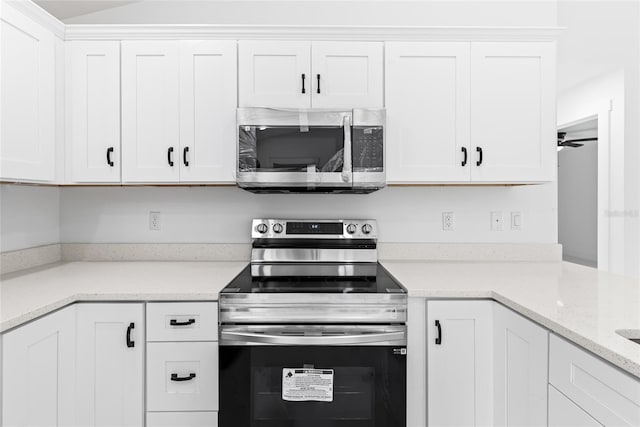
{"type": "Point", "coordinates": [301, 385]}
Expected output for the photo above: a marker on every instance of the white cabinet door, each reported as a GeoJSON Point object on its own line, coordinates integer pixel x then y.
{"type": "Point", "coordinates": [564, 413]}
{"type": "Point", "coordinates": [109, 371]}
{"type": "Point", "coordinates": [27, 115]}
{"type": "Point", "coordinates": [513, 111]}
{"type": "Point", "coordinates": [274, 74]}
{"type": "Point", "coordinates": [520, 370]}
{"type": "Point", "coordinates": [93, 82]}
{"type": "Point", "coordinates": [208, 100]}
{"type": "Point", "coordinates": [346, 75]}
{"type": "Point", "coordinates": [427, 99]}
{"type": "Point", "coordinates": [459, 363]}
{"type": "Point", "coordinates": [150, 111]}
{"type": "Point", "coordinates": [38, 365]}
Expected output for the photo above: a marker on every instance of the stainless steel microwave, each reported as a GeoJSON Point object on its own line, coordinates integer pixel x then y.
{"type": "Point", "coordinates": [322, 151]}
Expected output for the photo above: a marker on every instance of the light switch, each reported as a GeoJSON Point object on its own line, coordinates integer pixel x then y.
{"type": "Point", "coordinates": [516, 220]}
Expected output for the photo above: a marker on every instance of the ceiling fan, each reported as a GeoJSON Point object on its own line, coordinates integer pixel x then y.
{"type": "Point", "coordinates": [573, 143]}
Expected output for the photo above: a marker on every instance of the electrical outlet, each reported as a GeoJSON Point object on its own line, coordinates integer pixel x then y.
{"type": "Point", "coordinates": [447, 221]}
{"type": "Point", "coordinates": [154, 221]}
{"type": "Point", "coordinates": [496, 221]}
{"type": "Point", "coordinates": [516, 221]}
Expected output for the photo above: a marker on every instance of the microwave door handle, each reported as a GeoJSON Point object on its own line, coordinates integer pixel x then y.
{"type": "Point", "coordinates": [260, 338]}
{"type": "Point", "coordinates": [346, 166]}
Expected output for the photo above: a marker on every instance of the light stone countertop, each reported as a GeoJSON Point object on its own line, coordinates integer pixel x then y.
{"type": "Point", "coordinates": [582, 304]}
{"type": "Point", "coordinates": [579, 303]}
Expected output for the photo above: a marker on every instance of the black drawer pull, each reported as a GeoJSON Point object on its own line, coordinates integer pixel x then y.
{"type": "Point", "coordinates": [174, 322]}
{"type": "Point", "coordinates": [464, 151]}
{"type": "Point", "coordinates": [175, 377]}
{"type": "Point", "coordinates": [303, 90]}
{"type": "Point", "coordinates": [109, 161]}
{"type": "Point", "coordinates": [439, 337]}
{"type": "Point", "coordinates": [170, 156]}
{"type": "Point", "coordinates": [318, 83]}
{"type": "Point", "coordinates": [129, 342]}
{"type": "Point", "coordinates": [479, 150]}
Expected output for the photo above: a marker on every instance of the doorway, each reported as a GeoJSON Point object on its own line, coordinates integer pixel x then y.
{"type": "Point", "coordinates": [578, 192]}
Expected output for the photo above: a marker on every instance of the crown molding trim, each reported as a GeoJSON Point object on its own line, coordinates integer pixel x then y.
{"type": "Point", "coordinates": [39, 15]}
{"type": "Point", "coordinates": [305, 32]}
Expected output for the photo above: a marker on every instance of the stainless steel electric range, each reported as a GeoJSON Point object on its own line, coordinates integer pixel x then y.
{"type": "Point", "coordinates": [313, 331]}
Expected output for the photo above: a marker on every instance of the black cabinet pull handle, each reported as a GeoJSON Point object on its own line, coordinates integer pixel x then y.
{"type": "Point", "coordinates": [175, 377]}
{"type": "Point", "coordinates": [303, 90]}
{"type": "Point", "coordinates": [109, 161]}
{"type": "Point", "coordinates": [479, 150]}
{"type": "Point", "coordinates": [464, 151]}
{"type": "Point", "coordinates": [184, 156]}
{"type": "Point", "coordinates": [129, 342]}
{"type": "Point", "coordinates": [439, 337]}
{"type": "Point", "coordinates": [174, 322]}
{"type": "Point", "coordinates": [318, 83]}
{"type": "Point", "coordinates": [170, 156]}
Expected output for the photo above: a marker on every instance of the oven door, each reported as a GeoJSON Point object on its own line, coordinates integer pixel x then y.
{"type": "Point", "coordinates": [267, 376]}
{"type": "Point", "coordinates": [293, 148]}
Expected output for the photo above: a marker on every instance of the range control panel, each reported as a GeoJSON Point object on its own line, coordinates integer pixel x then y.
{"type": "Point", "coordinates": [309, 229]}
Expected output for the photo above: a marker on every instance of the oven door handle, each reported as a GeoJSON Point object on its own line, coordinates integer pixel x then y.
{"type": "Point", "coordinates": [357, 339]}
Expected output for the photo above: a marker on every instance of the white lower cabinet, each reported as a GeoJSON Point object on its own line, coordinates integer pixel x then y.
{"type": "Point", "coordinates": [38, 371]}
{"type": "Point", "coordinates": [459, 367]}
{"type": "Point", "coordinates": [607, 394]}
{"type": "Point", "coordinates": [564, 413]}
{"type": "Point", "coordinates": [520, 370]}
{"type": "Point", "coordinates": [182, 376]}
{"type": "Point", "coordinates": [182, 419]}
{"type": "Point", "coordinates": [110, 364]}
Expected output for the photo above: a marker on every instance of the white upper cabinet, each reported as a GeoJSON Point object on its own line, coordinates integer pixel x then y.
{"type": "Point", "coordinates": [110, 365]}
{"type": "Point", "coordinates": [459, 363]}
{"type": "Point", "coordinates": [474, 112]}
{"type": "Point", "coordinates": [274, 74]}
{"type": "Point", "coordinates": [93, 113]}
{"type": "Point", "coordinates": [513, 117]}
{"type": "Point", "coordinates": [208, 100]}
{"type": "Point", "coordinates": [427, 100]}
{"type": "Point", "coordinates": [38, 371]}
{"type": "Point", "coordinates": [27, 118]}
{"type": "Point", "coordinates": [283, 74]}
{"type": "Point", "coordinates": [346, 75]}
{"type": "Point", "coordinates": [150, 111]}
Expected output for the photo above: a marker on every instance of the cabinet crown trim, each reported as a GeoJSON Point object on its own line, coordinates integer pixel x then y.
{"type": "Point", "coordinates": [309, 32]}
{"type": "Point", "coordinates": [39, 15]}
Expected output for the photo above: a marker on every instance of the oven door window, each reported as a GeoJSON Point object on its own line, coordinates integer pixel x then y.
{"type": "Point", "coordinates": [291, 149]}
{"type": "Point", "coordinates": [368, 386]}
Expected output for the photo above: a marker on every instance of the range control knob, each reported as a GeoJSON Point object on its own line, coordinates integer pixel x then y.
{"type": "Point", "coordinates": [351, 228]}
{"type": "Point", "coordinates": [277, 227]}
{"type": "Point", "coordinates": [262, 228]}
{"type": "Point", "coordinates": [367, 228]}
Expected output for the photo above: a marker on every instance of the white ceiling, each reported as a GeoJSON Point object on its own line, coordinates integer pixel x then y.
{"type": "Point", "coordinates": [63, 9]}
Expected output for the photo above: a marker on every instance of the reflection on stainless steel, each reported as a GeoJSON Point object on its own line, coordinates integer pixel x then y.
{"type": "Point", "coordinates": [343, 335]}
{"type": "Point", "coordinates": [313, 270]}
{"type": "Point", "coordinates": [291, 255]}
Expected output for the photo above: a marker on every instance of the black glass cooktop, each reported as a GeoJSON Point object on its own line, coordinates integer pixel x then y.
{"type": "Point", "coordinates": [382, 282]}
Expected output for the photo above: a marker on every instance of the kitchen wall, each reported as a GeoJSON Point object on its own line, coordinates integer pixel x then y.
{"type": "Point", "coordinates": [315, 12]}
{"type": "Point", "coordinates": [206, 214]}
{"type": "Point", "coordinates": [29, 216]}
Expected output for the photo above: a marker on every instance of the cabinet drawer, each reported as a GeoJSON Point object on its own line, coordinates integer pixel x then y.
{"type": "Point", "coordinates": [184, 321]}
{"type": "Point", "coordinates": [606, 393]}
{"type": "Point", "coordinates": [565, 413]}
{"type": "Point", "coordinates": [182, 419]}
{"type": "Point", "coordinates": [182, 376]}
